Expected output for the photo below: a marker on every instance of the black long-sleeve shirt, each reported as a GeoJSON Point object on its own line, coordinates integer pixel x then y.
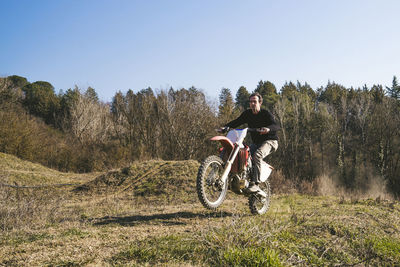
{"type": "Point", "coordinates": [262, 119]}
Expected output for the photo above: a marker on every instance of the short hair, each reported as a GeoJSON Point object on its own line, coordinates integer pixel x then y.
{"type": "Point", "coordinates": [258, 95]}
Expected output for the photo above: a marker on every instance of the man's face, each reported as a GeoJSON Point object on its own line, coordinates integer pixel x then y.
{"type": "Point", "coordinates": [255, 104]}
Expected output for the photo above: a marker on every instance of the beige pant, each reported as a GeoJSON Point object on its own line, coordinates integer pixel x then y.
{"type": "Point", "coordinates": [259, 152]}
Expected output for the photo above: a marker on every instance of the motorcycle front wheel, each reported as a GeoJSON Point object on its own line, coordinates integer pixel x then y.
{"type": "Point", "coordinates": [210, 189]}
{"type": "Point", "coordinates": [258, 204]}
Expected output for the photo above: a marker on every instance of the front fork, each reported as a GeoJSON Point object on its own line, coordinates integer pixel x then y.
{"type": "Point", "coordinates": [229, 162]}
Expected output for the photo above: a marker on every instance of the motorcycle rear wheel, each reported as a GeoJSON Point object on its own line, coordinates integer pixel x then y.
{"type": "Point", "coordinates": [260, 205]}
{"type": "Point", "coordinates": [210, 189]}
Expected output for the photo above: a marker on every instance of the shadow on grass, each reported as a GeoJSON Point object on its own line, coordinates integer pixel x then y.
{"type": "Point", "coordinates": [163, 218]}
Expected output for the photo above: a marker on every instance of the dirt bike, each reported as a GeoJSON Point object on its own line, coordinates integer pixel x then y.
{"type": "Point", "coordinates": [233, 170]}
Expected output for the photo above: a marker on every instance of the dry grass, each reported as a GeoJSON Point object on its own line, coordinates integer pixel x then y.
{"type": "Point", "coordinates": [14, 170]}
{"type": "Point", "coordinates": [111, 224]}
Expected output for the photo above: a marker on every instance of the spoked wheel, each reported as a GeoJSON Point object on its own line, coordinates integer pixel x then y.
{"type": "Point", "coordinates": [258, 204]}
{"type": "Point", "coordinates": [210, 189]}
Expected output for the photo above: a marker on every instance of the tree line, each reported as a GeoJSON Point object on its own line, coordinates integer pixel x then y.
{"type": "Point", "coordinates": [349, 133]}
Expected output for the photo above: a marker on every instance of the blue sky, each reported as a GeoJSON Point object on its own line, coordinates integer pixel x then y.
{"type": "Point", "coordinates": [121, 45]}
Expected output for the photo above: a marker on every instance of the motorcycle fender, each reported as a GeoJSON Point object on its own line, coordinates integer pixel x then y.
{"type": "Point", "coordinates": [225, 142]}
{"type": "Point", "coordinates": [266, 170]}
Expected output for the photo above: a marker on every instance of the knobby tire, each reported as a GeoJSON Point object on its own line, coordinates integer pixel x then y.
{"type": "Point", "coordinates": [203, 185]}
{"type": "Point", "coordinates": [257, 207]}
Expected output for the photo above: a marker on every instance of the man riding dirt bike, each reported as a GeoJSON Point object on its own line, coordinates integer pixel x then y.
{"type": "Point", "coordinates": [237, 169]}
{"type": "Point", "coordinates": [265, 141]}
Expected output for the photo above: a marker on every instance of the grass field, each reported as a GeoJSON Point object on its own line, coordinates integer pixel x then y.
{"type": "Point", "coordinates": [148, 214]}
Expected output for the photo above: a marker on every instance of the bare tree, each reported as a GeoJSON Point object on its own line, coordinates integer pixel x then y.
{"type": "Point", "coordinates": [185, 119]}
{"type": "Point", "coordinates": [89, 120]}
{"type": "Point", "coordinates": [362, 105]}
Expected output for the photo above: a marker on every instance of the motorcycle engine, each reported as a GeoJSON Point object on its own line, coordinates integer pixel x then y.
{"type": "Point", "coordinates": [239, 182]}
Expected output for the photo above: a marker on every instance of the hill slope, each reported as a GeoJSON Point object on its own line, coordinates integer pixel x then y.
{"type": "Point", "coordinates": [155, 178]}
{"type": "Point", "coordinates": [15, 170]}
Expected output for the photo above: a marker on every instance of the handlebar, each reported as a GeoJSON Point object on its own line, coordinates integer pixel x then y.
{"type": "Point", "coordinates": [226, 129]}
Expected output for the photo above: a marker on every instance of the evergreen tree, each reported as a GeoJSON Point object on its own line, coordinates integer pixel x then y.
{"type": "Point", "coordinates": [268, 92]}
{"type": "Point", "coordinates": [91, 94]}
{"type": "Point", "coordinates": [69, 98]}
{"type": "Point", "coordinates": [40, 100]}
{"type": "Point", "coordinates": [242, 98]}
{"type": "Point", "coordinates": [332, 94]}
{"type": "Point", "coordinates": [147, 92]}
{"type": "Point", "coordinates": [394, 91]}
{"type": "Point", "coordinates": [18, 81]}
{"type": "Point", "coordinates": [378, 93]}
{"type": "Point", "coordinates": [288, 90]}
{"type": "Point", "coordinates": [10, 90]}
{"type": "Point", "coordinates": [226, 105]}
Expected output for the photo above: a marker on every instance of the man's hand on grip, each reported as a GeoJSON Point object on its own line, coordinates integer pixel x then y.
{"type": "Point", "coordinates": [263, 130]}
{"type": "Point", "coordinates": [223, 129]}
